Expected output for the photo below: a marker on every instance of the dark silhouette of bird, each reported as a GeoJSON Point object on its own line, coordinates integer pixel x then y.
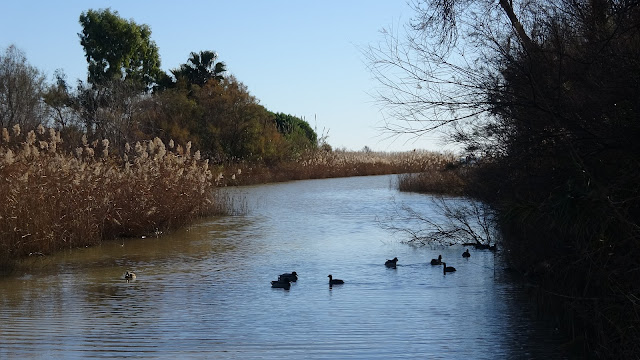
{"type": "Point", "coordinates": [446, 269]}
{"type": "Point", "coordinates": [281, 284]}
{"type": "Point", "coordinates": [293, 276]}
{"type": "Point", "coordinates": [333, 281]}
{"type": "Point", "coordinates": [466, 254]}
{"type": "Point", "coordinates": [129, 275]}
{"type": "Point", "coordinates": [437, 261]}
{"type": "Point", "coordinates": [391, 263]}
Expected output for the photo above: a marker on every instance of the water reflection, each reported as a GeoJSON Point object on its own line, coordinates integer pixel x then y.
{"type": "Point", "coordinates": [204, 291]}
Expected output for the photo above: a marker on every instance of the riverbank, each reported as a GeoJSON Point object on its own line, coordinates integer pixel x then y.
{"type": "Point", "coordinates": [52, 199]}
{"type": "Point", "coordinates": [208, 284]}
{"type": "Point", "coordinates": [322, 164]}
{"type": "Point", "coordinates": [578, 256]}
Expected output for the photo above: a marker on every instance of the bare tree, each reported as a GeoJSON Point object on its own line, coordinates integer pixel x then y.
{"type": "Point", "coordinates": [437, 72]}
{"type": "Point", "coordinates": [454, 221]}
{"type": "Point", "coordinates": [21, 88]}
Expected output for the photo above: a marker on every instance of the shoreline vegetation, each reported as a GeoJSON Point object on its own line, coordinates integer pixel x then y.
{"type": "Point", "coordinates": [579, 278]}
{"type": "Point", "coordinates": [545, 95]}
{"type": "Point", "coordinates": [554, 130]}
{"type": "Point", "coordinates": [56, 198]}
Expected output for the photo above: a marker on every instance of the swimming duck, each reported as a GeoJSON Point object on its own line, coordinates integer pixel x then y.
{"type": "Point", "coordinates": [446, 269]}
{"type": "Point", "coordinates": [391, 263]}
{"type": "Point", "coordinates": [333, 281]}
{"type": "Point", "coordinates": [466, 254]}
{"type": "Point", "coordinates": [293, 276]}
{"type": "Point", "coordinates": [437, 261]}
{"type": "Point", "coordinates": [129, 275]}
{"type": "Point", "coordinates": [281, 284]}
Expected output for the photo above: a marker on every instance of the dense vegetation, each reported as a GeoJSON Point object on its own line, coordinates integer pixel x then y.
{"type": "Point", "coordinates": [53, 199]}
{"type": "Point", "coordinates": [134, 151]}
{"type": "Point", "coordinates": [546, 94]}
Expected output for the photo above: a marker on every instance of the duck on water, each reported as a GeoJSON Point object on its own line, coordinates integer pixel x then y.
{"type": "Point", "coordinates": [333, 281]}
{"type": "Point", "coordinates": [391, 263]}
{"type": "Point", "coordinates": [292, 276]}
{"type": "Point", "coordinates": [281, 284]}
{"type": "Point", "coordinates": [446, 269]}
{"type": "Point", "coordinates": [129, 275]}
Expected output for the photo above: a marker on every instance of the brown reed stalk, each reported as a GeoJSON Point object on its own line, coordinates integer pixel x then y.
{"type": "Point", "coordinates": [50, 200]}
{"type": "Point", "coordinates": [329, 164]}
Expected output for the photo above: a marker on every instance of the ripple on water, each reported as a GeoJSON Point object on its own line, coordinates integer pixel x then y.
{"type": "Point", "coordinates": [204, 292]}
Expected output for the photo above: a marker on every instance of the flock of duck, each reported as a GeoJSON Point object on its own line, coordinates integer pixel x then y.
{"type": "Point", "coordinates": [284, 280]}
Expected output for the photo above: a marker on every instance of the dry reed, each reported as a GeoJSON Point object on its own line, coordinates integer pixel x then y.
{"type": "Point", "coordinates": [330, 164]}
{"type": "Point", "coordinates": [50, 200]}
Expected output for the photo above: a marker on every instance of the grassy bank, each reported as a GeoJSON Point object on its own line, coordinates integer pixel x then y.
{"type": "Point", "coordinates": [52, 199]}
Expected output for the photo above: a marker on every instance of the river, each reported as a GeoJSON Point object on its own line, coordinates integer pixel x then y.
{"type": "Point", "coordinates": [203, 292]}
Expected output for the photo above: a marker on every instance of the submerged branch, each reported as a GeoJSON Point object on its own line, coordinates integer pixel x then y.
{"type": "Point", "coordinates": [455, 221]}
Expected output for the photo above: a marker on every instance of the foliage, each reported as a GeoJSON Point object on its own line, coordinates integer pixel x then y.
{"type": "Point", "coordinates": [117, 49]}
{"type": "Point", "coordinates": [21, 88]}
{"type": "Point", "coordinates": [233, 123]}
{"type": "Point", "coordinates": [200, 68]}
{"type": "Point", "coordinates": [297, 132]}
{"type": "Point", "coordinates": [170, 115]}
{"type": "Point", "coordinates": [545, 93]}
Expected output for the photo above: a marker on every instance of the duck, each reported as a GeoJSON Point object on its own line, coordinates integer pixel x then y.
{"type": "Point", "coordinates": [129, 275]}
{"type": "Point", "coordinates": [333, 281]}
{"type": "Point", "coordinates": [281, 284]}
{"type": "Point", "coordinates": [446, 269]}
{"type": "Point", "coordinates": [391, 263]}
{"type": "Point", "coordinates": [437, 261]}
{"type": "Point", "coordinates": [292, 276]}
{"type": "Point", "coordinates": [466, 254]}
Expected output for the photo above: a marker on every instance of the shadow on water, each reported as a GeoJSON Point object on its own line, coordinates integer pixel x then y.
{"type": "Point", "coordinates": [204, 291]}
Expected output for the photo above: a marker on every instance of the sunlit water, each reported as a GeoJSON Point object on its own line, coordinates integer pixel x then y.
{"type": "Point", "coordinates": [204, 291]}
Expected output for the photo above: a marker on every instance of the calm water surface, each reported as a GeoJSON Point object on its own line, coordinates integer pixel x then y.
{"type": "Point", "coordinates": [204, 292]}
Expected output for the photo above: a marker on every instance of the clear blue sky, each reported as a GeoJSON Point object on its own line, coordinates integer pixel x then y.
{"type": "Point", "coordinates": [297, 57]}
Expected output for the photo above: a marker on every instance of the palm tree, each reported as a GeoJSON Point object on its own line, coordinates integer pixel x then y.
{"type": "Point", "coordinates": [200, 68]}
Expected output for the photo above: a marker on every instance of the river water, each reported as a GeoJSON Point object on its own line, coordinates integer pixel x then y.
{"type": "Point", "coordinates": [204, 292]}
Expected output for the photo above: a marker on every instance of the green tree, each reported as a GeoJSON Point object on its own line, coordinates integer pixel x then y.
{"type": "Point", "coordinates": [117, 49]}
{"type": "Point", "coordinates": [200, 68]}
{"type": "Point", "coordinates": [235, 124]}
{"type": "Point", "coordinates": [170, 115]}
{"type": "Point", "coordinates": [297, 132]}
{"type": "Point", "coordinates": [288, 123]}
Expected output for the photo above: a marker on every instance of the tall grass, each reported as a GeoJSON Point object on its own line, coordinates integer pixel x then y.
{"type": "Point", "coordinates": [51, 199]}
{"type": "Point", "coordinates": [322, 164]}
{"type": "Point", "coordinates": [443, 181]}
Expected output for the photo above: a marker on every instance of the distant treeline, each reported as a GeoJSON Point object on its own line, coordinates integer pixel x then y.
{"type": "Point", "coordinates": [128, 98]}
{"type": "Point", "coordinates": [134, 151]}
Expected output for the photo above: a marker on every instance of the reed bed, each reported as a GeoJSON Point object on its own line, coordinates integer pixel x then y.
{"type": "Point", "coordinates": [51, 199]}
{"type": "Point", "coordinates": [330, 164]}
{"type": "Point", "coordinates": [445, 181]}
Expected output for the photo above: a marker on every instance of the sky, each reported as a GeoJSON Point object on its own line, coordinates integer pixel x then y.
{"type": "Point", "coordinates": [296, 57]}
